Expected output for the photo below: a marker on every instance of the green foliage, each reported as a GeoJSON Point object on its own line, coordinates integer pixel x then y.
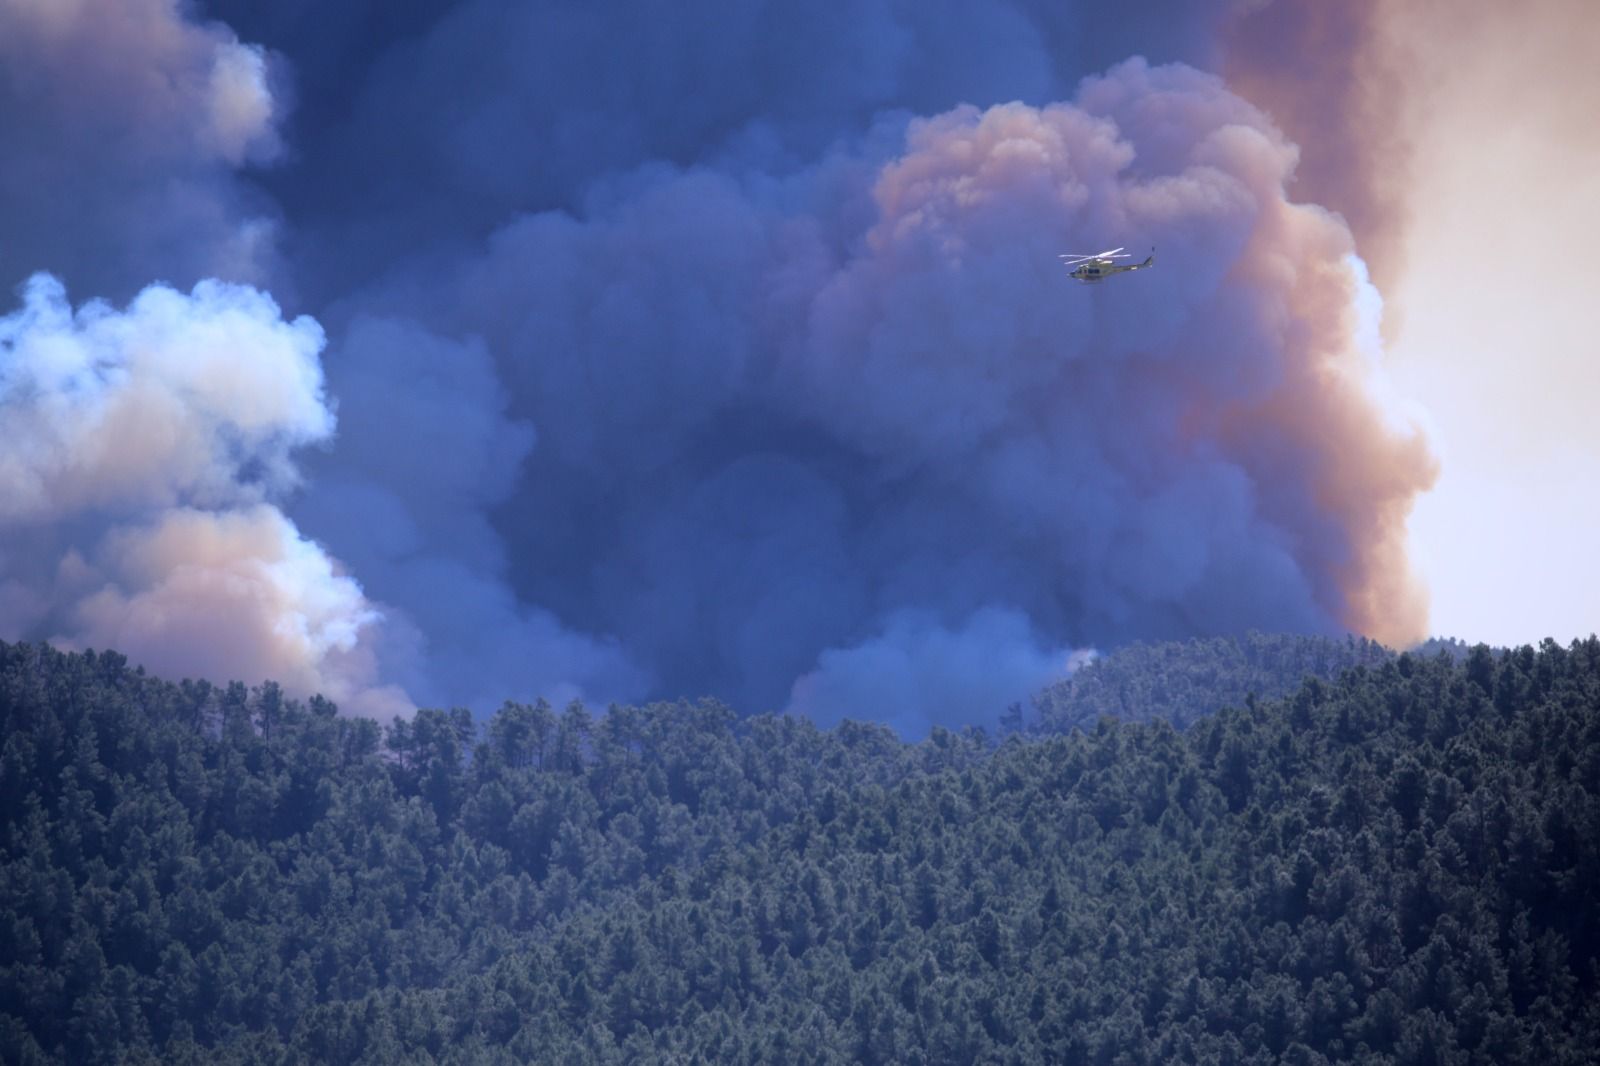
{"type": "Point", "coordinates": [1398, 864]}
{"type": "Point", "coordinates": [1183, 681]}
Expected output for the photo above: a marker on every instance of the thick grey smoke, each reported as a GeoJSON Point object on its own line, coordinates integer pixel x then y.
{"type": "Point", "coordinates": [430, 123]}
{"type": "Point", "coordinates": [425, 449]}
{"type": "Point", "coordinates": [727, 353]}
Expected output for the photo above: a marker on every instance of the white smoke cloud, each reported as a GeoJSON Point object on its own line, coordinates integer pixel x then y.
{"type": "Point", "coordinates": [197, 398]}
{"type": "Point", "coordinates": [142, 452]}
{"type": "Point", "coordinates": [233, 594]}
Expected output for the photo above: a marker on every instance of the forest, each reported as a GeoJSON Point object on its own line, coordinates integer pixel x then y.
{"type": "Point", "coordinates": [1181, 681]}
{"type": "Point", "coordinates": [1397, 862]}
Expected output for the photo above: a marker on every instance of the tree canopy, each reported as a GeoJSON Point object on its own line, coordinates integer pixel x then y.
{"type": "Point", "coordinates": [1398, 865]}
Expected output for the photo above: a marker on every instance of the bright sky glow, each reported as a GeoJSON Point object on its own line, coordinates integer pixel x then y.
{"type": "Point", "coordinates": [1501, 314]}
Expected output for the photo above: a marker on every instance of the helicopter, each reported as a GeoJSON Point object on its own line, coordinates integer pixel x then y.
{"type": "Point", "coordinates": [1102, 265]}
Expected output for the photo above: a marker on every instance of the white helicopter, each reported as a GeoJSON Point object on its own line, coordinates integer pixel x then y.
{"type": "Point", "coordinates": [1102, 265]}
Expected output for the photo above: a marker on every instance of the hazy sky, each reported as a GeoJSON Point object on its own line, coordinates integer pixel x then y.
{"type": "Point", "coordinates": [444, 353]}
{"type": "Point", "coordinates": [1499, 334]}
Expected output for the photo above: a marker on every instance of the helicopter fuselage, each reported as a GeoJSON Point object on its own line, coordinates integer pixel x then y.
{"type": "Point", "coordinates": [1100, 269]}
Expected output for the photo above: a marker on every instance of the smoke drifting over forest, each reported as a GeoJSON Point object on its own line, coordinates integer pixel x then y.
{"type": "Point", "coordinates": [668, 356]}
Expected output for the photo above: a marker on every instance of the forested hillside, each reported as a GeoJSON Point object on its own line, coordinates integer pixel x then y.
{"type": "Point", "coordinates": [1182, 681]}
{"type": "Point", "coordinates": [1399, 866]}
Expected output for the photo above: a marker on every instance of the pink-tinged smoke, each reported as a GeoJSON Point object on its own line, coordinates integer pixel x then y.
{"type": "Point", "coordinates": [123, 125]}
{"type": "Point", "coordinates": [1459, 141]}
{"type": "Point", "coordinates": [1363, 86]}
{"type": "Point", "coordinates": [1334, 78]}
{"type": "Point", "coordinates": [143, 453]}
{"type": "Point", "coordinates": [1240, 355]}
{"type": "Point", "coordinates": [237, 593]}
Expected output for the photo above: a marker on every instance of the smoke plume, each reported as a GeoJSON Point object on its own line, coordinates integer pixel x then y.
{"type": "Point", "coordinates": [777, 418]}
{"type": "Point", "coordinates": [1333, 77]}
{"type": "Point", "coordinates": [124, 127]}
{"type": "Point", "coordinates": [724, 354]}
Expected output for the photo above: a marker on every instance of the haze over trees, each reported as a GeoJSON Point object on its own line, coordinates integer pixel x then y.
{"type": "Point", "coordinates": [1396, 866]}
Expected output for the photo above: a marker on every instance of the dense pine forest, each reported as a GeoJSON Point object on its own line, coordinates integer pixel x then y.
{"type": "Point", "coordinates": [1398, 865]}
{"type": "Point", "coordinates": [1181, 681]}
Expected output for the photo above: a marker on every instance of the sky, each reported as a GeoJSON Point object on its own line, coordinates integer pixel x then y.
{"type": "Point", "coordinates": [1498, 310]}
{"type": "Point", "coordinates": [442, 354]}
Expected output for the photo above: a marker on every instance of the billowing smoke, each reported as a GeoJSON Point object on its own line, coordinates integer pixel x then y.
{"type": "Point", "coordinates": [430, 123]}
{"type": "Point", "coordinates": [667, 365]}
{"type": "Point", "coordinates": [426, 448]}
{"type": "Point", "coordinates": [143, 450]}
{"type": "Point", "coordinates": [1338, 81]}
{"type": "Point", "coordinates": [778, 418]}
{"type": "Point", "coordinates": [1456, 140]}
{"type": "Point", "coordinates": [123, 128]}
